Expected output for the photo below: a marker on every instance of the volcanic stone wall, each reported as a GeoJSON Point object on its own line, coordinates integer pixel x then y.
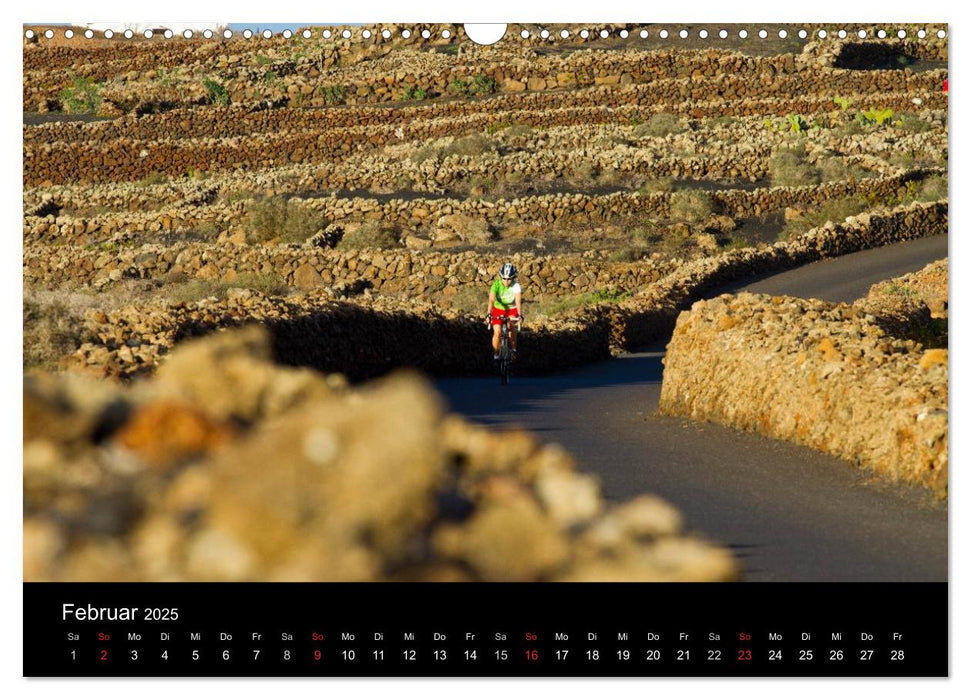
{"type": "Point", "coordinates": [232, 139]}
{"type": "Point", "coordinates": [308, 76]}
{"type": "Point", "coordinates": [651, 314]}
{"type": "Point", "coordinates": [367, 338]}
{"type": "Point", "coordinates": [574, 208]}
{"type": "Point", "coordinates": [819, 374]}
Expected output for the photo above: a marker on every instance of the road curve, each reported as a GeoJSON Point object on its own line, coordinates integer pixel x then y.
{"type": "Point", "coordinates": [788, 512]}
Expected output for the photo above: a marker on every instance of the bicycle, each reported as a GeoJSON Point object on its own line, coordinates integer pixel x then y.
{"type": "Point", "coordinates": [505, 354]}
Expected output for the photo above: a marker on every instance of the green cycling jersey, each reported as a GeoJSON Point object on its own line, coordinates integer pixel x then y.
{"type": "Point", "coordinates": [505, 296]}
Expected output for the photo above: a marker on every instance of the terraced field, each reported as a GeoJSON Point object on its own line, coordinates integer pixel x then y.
{"type": "Point", "coordinates": [407, 169]}
{"type": "Point", "coordinates": [356, 197]}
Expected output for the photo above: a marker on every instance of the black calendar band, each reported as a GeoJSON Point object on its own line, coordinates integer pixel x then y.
{"type": "Point", "coordinates": [540, 630]}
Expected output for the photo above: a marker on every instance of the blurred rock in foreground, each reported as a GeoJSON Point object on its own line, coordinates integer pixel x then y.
{"type": "Point", "coordinates": [226, 467]}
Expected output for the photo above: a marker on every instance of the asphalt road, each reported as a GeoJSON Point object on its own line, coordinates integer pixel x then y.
{"type": "Point", "coordinates": [789, 513]}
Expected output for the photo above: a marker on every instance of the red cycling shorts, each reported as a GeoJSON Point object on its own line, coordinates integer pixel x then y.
{"type": "Point", "coordinates": [499, 314]}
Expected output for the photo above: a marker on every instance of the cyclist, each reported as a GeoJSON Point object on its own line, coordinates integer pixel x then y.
{"type": "Point", "coordinates": [505, 301]}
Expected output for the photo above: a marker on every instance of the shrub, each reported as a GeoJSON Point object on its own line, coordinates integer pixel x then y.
{"type": "Point", "coordinates": [628, 254]}
{"type": "Point", "coordinates": [660, 125]}
{"type": "Point", "coordinates": [426, 152]}
{"type": "Point", "coordinates": [584, 172]}
{"type": "Point", "coordinates": [835, 210]}
{"type": "Point", "coordinates": [559, 305]}
{"type": "Point", "coordinates": [415, 93]}
{"type": "Point", "coordinates": [372, 234]}
{"type": "Point", "coordinates": [482, 85]}
{"type": "Point", "coordinates": [471, 299]}
{"type": "Point", "coordinates": [790, 167]}
{"type": "Point", "coordinates": [82, 95]}
{"type": "Point", "coordinates": [724, 120]}
{"type": "Point", "coordinates": [53, 327]}
{"type": "Point", "coordinates": [267, 283]}
{"type": "Point", "coordinates": [933, 189]}
{"type": "Point", "coordinates": [656, 185]}
{"type": "Point", "coordinates": [837, 169]}
{"type": "Point", "coordinates": [912, 123]}
{"type": "Point", "coordinates": [519, 130]}
{"type": "Point", "coordinates": [471, 145]}
{"type": "Point", "coordinates": [335, 94]}
{"type": "Point", "coordinates": [270, 284]}
{"type": "Point", "coordinates": [278, 217]}
{"type": "Point", "coordinates": [851, 129]}
{"type": "Point", "coordinates": [842, 102]}
{"type": "Point", "coordinates": [691, 206]}
{"type": "Point", "coordinates": [216, 92]}
{"type": "Point", "coordinates": [153, 179]}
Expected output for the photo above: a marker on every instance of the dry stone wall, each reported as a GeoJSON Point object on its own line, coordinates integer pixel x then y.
{"type": "Point", "coordinates": [545, 210]}
{"type": "Point", "coordinates": [651, 314]}
{"type": "Point", "coordinates": [710, 150]}
{"type": "Point", "coordinates": [422, 274]}
{"type": "Point", "coordinates": [823, 375]}
{"type": "Point", "coordinates": [68, 153]}
{"type": "Point", "coordinates": [365, 337]}
{"type": "Point", "coordinates": [304, 74]}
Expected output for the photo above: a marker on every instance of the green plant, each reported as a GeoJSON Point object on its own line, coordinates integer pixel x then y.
{"type": "Point", "coordinates": [559, 305]}
{"type": "Point", "coordinates": [482, 85]}
{"type": "Point", "coordinates": [459, 86]}
{"type": "Point", "coordinates": [493, 128]}
{"type": "Point", "coordinates": [269, 77]}
{"type": "Point", "coordinates": [335, 94]}
{"type": "Point", "coordinates": [897, 289]}
{"type": "Point", "coordinates": [414, 92]}
{"type": "Point", "coordinates": [659, 125]}
{"type": "Point", "coordinates": [263, 60]}
{"type": "Point", "coordinates": [82, 95]}
{"type": "Point", "coordinates": [796, 123]}
{"type": "Point", "coordinates": [875, 116]}
{"type": "Point", "coordinates": [842, 102]}
{"type": "Point", "coordinates": [216, 92]}
{"type": "Point", "coordinates": [691, 206]}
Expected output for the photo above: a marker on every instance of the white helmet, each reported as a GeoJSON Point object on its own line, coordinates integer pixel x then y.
{"type": "Point", "coordinates": [508, 271]}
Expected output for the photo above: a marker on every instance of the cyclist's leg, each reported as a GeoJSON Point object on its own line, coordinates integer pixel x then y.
{"type": "Point", "coordinates": [495, 335]}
